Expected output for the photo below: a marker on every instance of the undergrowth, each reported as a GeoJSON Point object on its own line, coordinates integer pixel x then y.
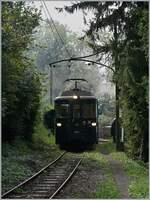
{"type": "Point", "coordinates": [135, 170]}
{"type": "Point", "coordinates": [109, 146]}
{"type": "Point", "coordinates": [21, 159]}
{"type": "Point", "coordinates": [137, 173]}
{"type": "Point", "coordinates": [42, 140]}
{"type": "Point", "coordinates": [105, 189]}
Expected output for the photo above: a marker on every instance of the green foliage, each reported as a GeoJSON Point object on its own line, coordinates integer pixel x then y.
{"type": "Point", "coordinates": [47, 49]}
{"type": "Point", "coordinates": [107, 107]}
{"type": "Point", "coordinates": [134, 90]}
{"type": "Point", "coordinates": [143, 29]}
{"type": "Point", "coordinates": [137, 173]}
{"type": "Point", "coordinates": [133, 168]}
{"type": "Point", "coordinates": [20, 81]}
{"type": "Point", "coordinates": [106, 188]}
{"type": "Point", "coordinates": [12, 155]}
{"type": "Point", "coordinates": [128, 47]}
{"type": "Point", "coordinates": [48, 107]}
{"type": "Point", "coordinates": [109, 146]}
{"type": "Point", "coordinates": [139, 188]}
{"type": "Point", "coordinates": [11, 168]}
{"type": "Point", "coordinates": [49, 119]}
{"type": "Point", "coordinates": [18, 147]}
{"type": "Point", "coordinates": [42, 139]}
{"type": "Point", "coordinates": [105, 120]}
{"type": "Point", "coordinates": [21, 159]}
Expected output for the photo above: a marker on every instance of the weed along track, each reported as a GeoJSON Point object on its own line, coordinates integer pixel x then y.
{"type": "Point", "coordinates": [48, 181]}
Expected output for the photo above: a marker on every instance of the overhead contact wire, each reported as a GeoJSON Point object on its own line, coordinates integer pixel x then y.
{"type": "Point", "coordinates": [49, 23]}
{"type": "Point", "coordinates": [57, 30]}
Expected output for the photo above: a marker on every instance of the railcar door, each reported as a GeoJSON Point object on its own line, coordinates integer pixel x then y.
{"type": "Point", "coordinates": [76, 122]}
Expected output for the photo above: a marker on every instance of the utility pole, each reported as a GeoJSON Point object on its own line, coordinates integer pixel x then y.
{"type": "Point", "coordinates": [116, 53]}
{"type": "Point", "coordinates": [117, 119]}
{"type": "Point", "coordinates": [51, 84]}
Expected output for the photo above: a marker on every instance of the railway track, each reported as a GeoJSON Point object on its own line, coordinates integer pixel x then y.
{"type": "Point", "coordinates": [46, 183]}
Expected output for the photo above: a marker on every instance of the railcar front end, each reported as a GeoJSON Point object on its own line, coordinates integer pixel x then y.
{"type": "Point", "coordinates": [76, 120]}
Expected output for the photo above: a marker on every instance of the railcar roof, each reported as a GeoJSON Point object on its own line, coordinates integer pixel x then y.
{"type": "Point", "coordinates": [71, 97]}
{"type": "Point", "coordinates": [77, 92]}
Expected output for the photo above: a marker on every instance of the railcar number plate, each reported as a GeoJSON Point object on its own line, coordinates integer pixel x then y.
{"type": "Point", "coordinates": [76, 131]}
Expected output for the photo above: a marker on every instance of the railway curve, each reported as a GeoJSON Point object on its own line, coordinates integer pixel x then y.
{"type": "Point", "coordinates": [49, 181]}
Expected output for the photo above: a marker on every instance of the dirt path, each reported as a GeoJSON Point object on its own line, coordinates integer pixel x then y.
{"type": "Point", "coordinates": [90, 174]}
{"type": "Point", "coordinates": [120, 177]}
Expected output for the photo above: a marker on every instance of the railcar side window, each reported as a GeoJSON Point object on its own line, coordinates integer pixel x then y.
{"type": "Point", "coordinates": [62, 110]}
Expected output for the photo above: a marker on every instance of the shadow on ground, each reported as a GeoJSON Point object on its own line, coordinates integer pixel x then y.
{"type": "Point", "coordinates": [77, 148]}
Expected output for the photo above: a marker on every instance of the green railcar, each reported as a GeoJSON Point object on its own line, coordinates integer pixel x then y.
{"type": "Point", "coordinates": [76, 117]}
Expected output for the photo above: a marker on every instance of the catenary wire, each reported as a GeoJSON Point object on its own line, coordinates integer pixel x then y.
{"type": "Point", "coordinates": [50, 25]}
{"type": "Point", "coordinates": [61, 39]}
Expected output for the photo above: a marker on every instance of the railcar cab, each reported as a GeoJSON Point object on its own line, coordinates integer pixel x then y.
{"type": "Point", "coordinates": [76, 117]}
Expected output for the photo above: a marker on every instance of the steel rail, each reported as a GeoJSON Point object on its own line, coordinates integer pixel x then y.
{"type": "Point", "coordinates": [66, 180]}
{"type": "Point", "coordinates": [32, 177]}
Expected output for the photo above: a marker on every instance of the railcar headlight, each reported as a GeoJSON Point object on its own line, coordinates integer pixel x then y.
{"type": "Point", "coordinates": [75, 97]}
{"type": "Point", "coordinates": [58, 124]}
{"type": "Point", "coordinates": [93, 123]}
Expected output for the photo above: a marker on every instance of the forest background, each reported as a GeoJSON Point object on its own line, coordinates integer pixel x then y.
{"type": "Point", "coordinates": [28, 46]}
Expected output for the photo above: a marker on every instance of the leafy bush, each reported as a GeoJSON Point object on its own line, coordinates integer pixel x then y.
{"type": "Point", "coordinates": [13, 171]}
{"type": "Point", "coordinates": [18, 147]}
{"type": "Point", "coordinates": [21, 83]}
{"type": "Point", "coordinates": [105, 120]}
{"type": "Point", "coordinates": [21, 159]}
{"type": "Point", "coordinates": [41, 138]}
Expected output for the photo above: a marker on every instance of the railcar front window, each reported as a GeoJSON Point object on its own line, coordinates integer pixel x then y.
{"type": "Point", "coordinates": [62, 110]}
{"type": "Point", "coordinates": [76, 111]}
{"type": "Point", "coordinates": [88, 110]}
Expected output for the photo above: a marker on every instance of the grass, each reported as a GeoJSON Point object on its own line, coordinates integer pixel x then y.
{"type": "Point", "coordinates": [108, 190]}
{"type": "Point", "coordinates": [105, 189]}
{"type": "Point", "coordinates": [139, 188]}
{"type": "Point", "coordinates": [135, 170]}
{"type": "Point", "coordinates": [22, 159]}
{"type": "Point", "coordinates": [13, 171]}
{"type": "Point", "coordinates": [137, 173]}
{"type": "Point", "coordinates": [109, 146]}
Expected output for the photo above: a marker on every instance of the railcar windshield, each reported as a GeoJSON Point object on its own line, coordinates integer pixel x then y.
{"type": "Point", "coordinates": [84, 108]}
{"type": "Point", "coordinates": [76, 111]}
{"type": "Point", "coordinates": [62, 110]}
{"type": "Point", "coordinates": [88, 109]}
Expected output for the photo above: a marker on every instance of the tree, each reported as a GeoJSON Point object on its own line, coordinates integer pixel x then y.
{"type": "Point", "coordinates": [20, 82]}
{"type": "Point", "coordinates": [128, 47]}
{"type": "Point", "coordinates": [134, 84]}
{"type": "Point", "coordinates": [48, 48]}
{"type": "Point", "coordinates": [108, 15]}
